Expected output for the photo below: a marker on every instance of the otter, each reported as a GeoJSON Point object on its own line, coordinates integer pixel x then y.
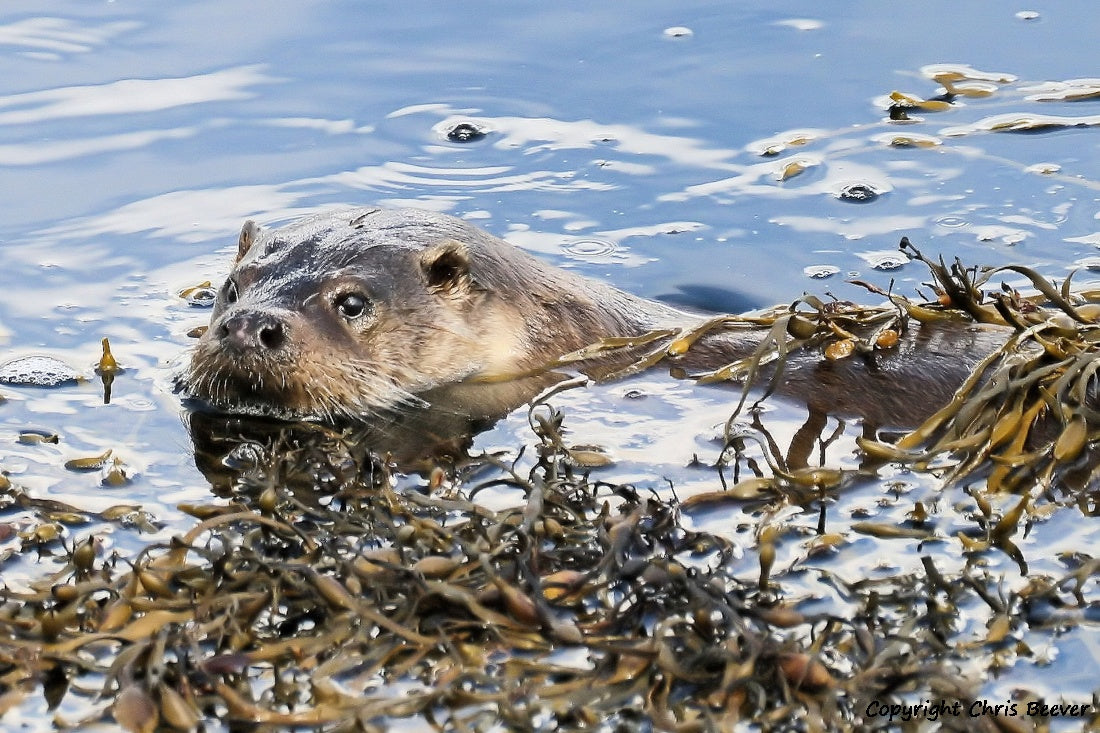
{"type": "Point", "coordinates": [353, 315]}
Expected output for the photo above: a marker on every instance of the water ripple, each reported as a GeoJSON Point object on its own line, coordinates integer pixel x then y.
{"type": "Point", "coordinates": [128, 96]}
{"type": "Point", "coordinates": [52, 37]}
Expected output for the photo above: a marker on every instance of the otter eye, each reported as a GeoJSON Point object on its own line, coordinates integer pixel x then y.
{"type": "Point", "coordinates": [351, 306]}
{"type": "Point", "coordinates": [230, 291]}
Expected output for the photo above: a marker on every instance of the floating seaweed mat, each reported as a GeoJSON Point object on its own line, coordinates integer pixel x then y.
{"type": "Point", "coordinates": [585, 603]}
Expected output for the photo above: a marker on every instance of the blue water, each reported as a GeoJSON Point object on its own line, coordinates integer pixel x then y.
{"type": "Point", "coordinates": [135, 139]}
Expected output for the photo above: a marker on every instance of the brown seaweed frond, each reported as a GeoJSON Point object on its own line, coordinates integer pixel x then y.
{"type": "Point", "coordinates": [1027, 414]}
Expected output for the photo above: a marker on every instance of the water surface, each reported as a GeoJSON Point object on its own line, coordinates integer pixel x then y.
{"type": "Point", "coordinates": [135, 140]}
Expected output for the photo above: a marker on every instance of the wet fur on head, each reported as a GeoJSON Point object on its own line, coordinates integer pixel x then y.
{"type": "Point", "coordinates": [373, 308]}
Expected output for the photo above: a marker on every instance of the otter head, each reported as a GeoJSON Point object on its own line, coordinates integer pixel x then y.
{"type": "Point", "coordinates": [347, 315]}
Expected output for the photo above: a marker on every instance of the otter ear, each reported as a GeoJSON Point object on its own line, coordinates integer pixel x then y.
{"type": "Point", "coordinates": [446, 266]}
{"type": "Point", "coordinates": [249, 234]}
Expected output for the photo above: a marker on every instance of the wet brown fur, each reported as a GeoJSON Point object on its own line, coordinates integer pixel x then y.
{"type": "Point", "coordinates": [453, 312]}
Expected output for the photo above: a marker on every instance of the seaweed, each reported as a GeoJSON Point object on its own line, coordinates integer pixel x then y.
{"type": "Point", "coordinates": [330, 593]}
{"type": "Point", "coordinates": [1026, 415]}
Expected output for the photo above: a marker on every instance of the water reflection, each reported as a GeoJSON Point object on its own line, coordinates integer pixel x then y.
{"type": "Point", "coordinates": [52, 38]}
{"type": "Point", "coordinates": [37, 153]}
{"type": "Point", "coordinates": [131, 96]}
{"type": "Point", "coordinates": [826, 163]}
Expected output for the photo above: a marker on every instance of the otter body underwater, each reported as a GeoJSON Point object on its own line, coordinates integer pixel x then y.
{"type": "Point", "coordinates": [350, 315]}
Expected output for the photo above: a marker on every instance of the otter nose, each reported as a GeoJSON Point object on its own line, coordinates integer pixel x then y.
{"type": "Point", "coordinates": [253, 331]}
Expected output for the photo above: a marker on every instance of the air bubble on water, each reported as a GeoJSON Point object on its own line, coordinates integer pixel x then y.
{"type": "Point", "coordinates": [820, 272]}
{"type": "Point", "coordinates": [590, 247]}
{"type": "Point", "coordinates": [679, 31]}
{"type": "Point", "coordinates": [38, 371]}
{"type": "Point", "coordinates": [886, 261]}
{"type": "Point", "coordinates": [858, 193]}
{"type": "Point", "coordinates": [466, 132]}
{"type": "Point", "coordinates": [951, 222]}
{"type": "Point", "coordinates": [1045, 169]}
